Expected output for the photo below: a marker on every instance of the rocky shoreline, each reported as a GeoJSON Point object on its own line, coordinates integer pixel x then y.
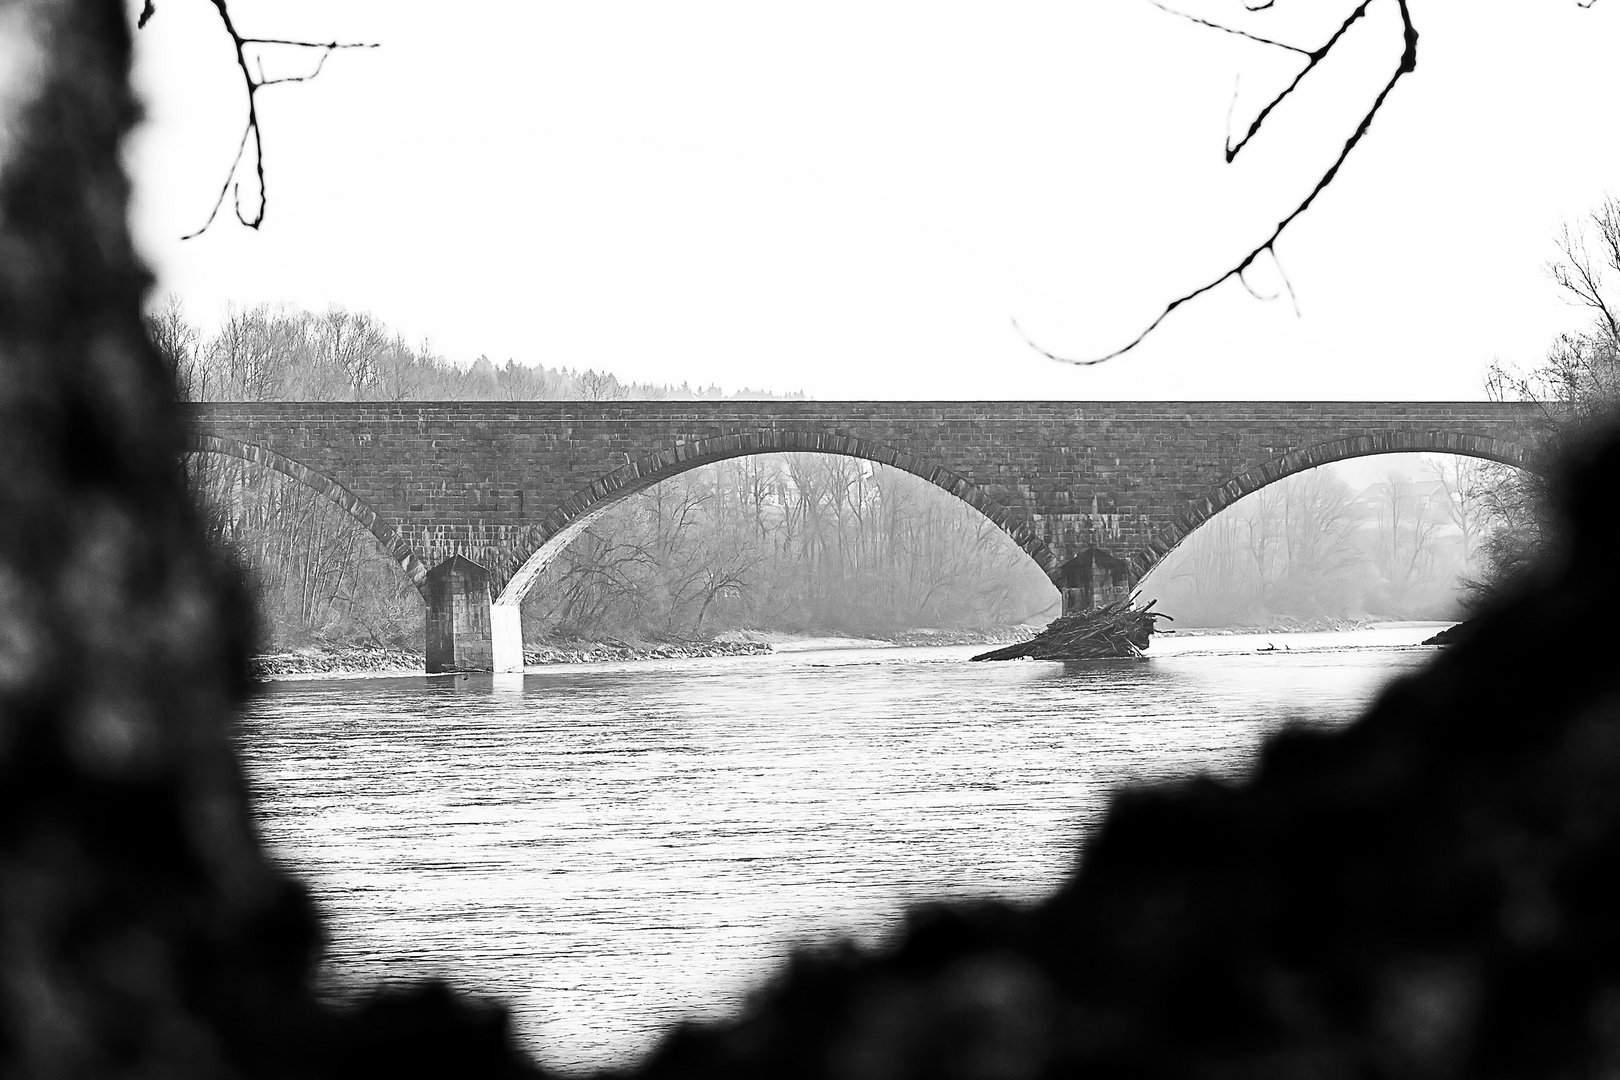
{"type": "Point", "coordinates": [366, 660]}
{"type": "Point", "coordinates": [342, 660]}
{"type": "Point", "coordinates": [336, 660]}
{"type": "Point", "coordinates": [369, 660]}
{"type": "Point", "coordinates": [594, 652]}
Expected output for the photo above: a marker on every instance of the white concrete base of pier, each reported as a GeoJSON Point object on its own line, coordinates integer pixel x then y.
{"type": "Point", "coordinates": [506, 636]}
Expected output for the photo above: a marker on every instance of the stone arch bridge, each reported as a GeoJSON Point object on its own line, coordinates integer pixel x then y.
{"type": "Point", "coordinates": [473, 498]}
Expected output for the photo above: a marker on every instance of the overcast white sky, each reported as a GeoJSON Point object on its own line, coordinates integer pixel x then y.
{"type": "Point", "coordinates": [856, 199]}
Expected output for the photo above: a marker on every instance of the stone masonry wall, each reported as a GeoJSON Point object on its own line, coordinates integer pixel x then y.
{"type": "Point", "coordinates": [494, 480]}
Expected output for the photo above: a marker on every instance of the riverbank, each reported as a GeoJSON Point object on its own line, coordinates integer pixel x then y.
{"type": "Point", "coordinates": [335, 662]}
{"type": "Point", "coordinates": [597, 652]}
{"type": "Point", "coordinates": [342, 661]}
{"type": "Point", "coordinates": [785, 641]}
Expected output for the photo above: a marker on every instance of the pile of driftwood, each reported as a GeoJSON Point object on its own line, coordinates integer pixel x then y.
{"type": "Point", "coordinates": [1117, 630]}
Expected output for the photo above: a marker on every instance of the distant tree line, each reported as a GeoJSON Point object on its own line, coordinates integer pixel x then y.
{"type": "Point", "coordinates": [798, 542]}
{"type": "Point", "coordinates": [1309, 547]}
{"type": "Point", "coordinates": [281, 353]}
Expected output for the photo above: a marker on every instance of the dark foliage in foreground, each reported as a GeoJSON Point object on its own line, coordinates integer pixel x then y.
{"type": "Point", "coordinates": [1428, 893]}
{"type": "Point", "coordinates": [1577, 384]}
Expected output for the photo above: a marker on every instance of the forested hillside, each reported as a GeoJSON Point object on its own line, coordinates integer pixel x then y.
{"type": "Point", "coordinates": [282, 353]}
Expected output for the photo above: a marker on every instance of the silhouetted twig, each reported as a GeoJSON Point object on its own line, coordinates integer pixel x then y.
{"type": "Point", "coordinates": [251, 130]}
{"type": "Point", "coordinates": [1313, 58]}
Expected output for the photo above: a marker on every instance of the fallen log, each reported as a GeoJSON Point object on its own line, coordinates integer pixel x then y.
{"type": "Point", "coordinates": [1113, 631]}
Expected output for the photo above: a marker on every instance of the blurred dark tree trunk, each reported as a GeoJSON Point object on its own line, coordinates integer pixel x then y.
{"type": "Point", "coordinates": [142, 930]}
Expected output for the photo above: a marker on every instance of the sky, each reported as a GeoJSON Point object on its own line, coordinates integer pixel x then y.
{"type": "Point", "coordinates": [858, 200]}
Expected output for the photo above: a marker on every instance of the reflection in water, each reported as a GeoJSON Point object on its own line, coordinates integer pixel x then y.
{"type": "Point", "coordinates": [613, 848]}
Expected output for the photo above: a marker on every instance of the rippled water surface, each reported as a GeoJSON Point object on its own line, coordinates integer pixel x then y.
{"type": "Point", "coordinates": [610, 848]}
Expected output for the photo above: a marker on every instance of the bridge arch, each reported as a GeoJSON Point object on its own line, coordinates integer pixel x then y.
{"type": "Point", "coordinates": [1167, 538]}
{"type": "Point", "coordinates": [387, 535]}
{"type": "Point", "coordinates": [543, 542]}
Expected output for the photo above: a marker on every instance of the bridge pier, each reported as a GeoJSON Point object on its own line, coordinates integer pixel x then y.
{"type": "Point", "coordinates": [1091, 579]}
{"type": "Point", "coordinates": [458, 617]}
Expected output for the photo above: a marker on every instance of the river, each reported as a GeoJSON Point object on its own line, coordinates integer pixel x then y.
{"type": "Point", "coordinates": [609, 848]}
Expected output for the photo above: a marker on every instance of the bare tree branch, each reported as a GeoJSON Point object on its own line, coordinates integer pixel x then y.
{"type": "Point", "coordinates": [1313, 58]}
{"type": "Point", "coordinates": [1609, 223]}
{"type": "Point", "coordinates": [1230, 29]}
{"type": "Point", "coordinates": [1607, 220]}
{"type": "Point", "coordinates": [1576, 274]}
{"type": "Point", "coordinates": [1243, 279]}
{"type": "Point", "coordinates": [251, 130]}
{"type": "Point", "coordinates": [263, 81]}
{"type": "Point", "coordinates": [1405, 66]}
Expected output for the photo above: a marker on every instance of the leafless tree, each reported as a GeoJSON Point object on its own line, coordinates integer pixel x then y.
{"type": "Point", "coordinates": [1467, 483]}
{"type": "Point", "coordinates": [1587, 280]}
{"type": "Point", "coordinates": [1288, 551]}
{"type": "Point", "coordinates": [180, 342]}
{"type": "Point", "coordinates": [399, 371]}
{"type": "Point", "coordinates": [1407, 523]}
{"type": "Point", "coordinates": [1580, 375]}
{"type": "Point", "coordinates": [267, 352]}
{"type": "Point", "coordinates": [251, 354]}
{"type": "Point", "coordinates": [601, 386]}
{"type": "Point", "coordinates": [1577, 385]}
{"type": "Point", "coordinates": [349, 347]}
{"type": "Point", "coordinates": [519, 382]}
{"type": "Point", "coordinates": [319, 576]}
{"type": "Point", "coordinates": [798, 541]}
